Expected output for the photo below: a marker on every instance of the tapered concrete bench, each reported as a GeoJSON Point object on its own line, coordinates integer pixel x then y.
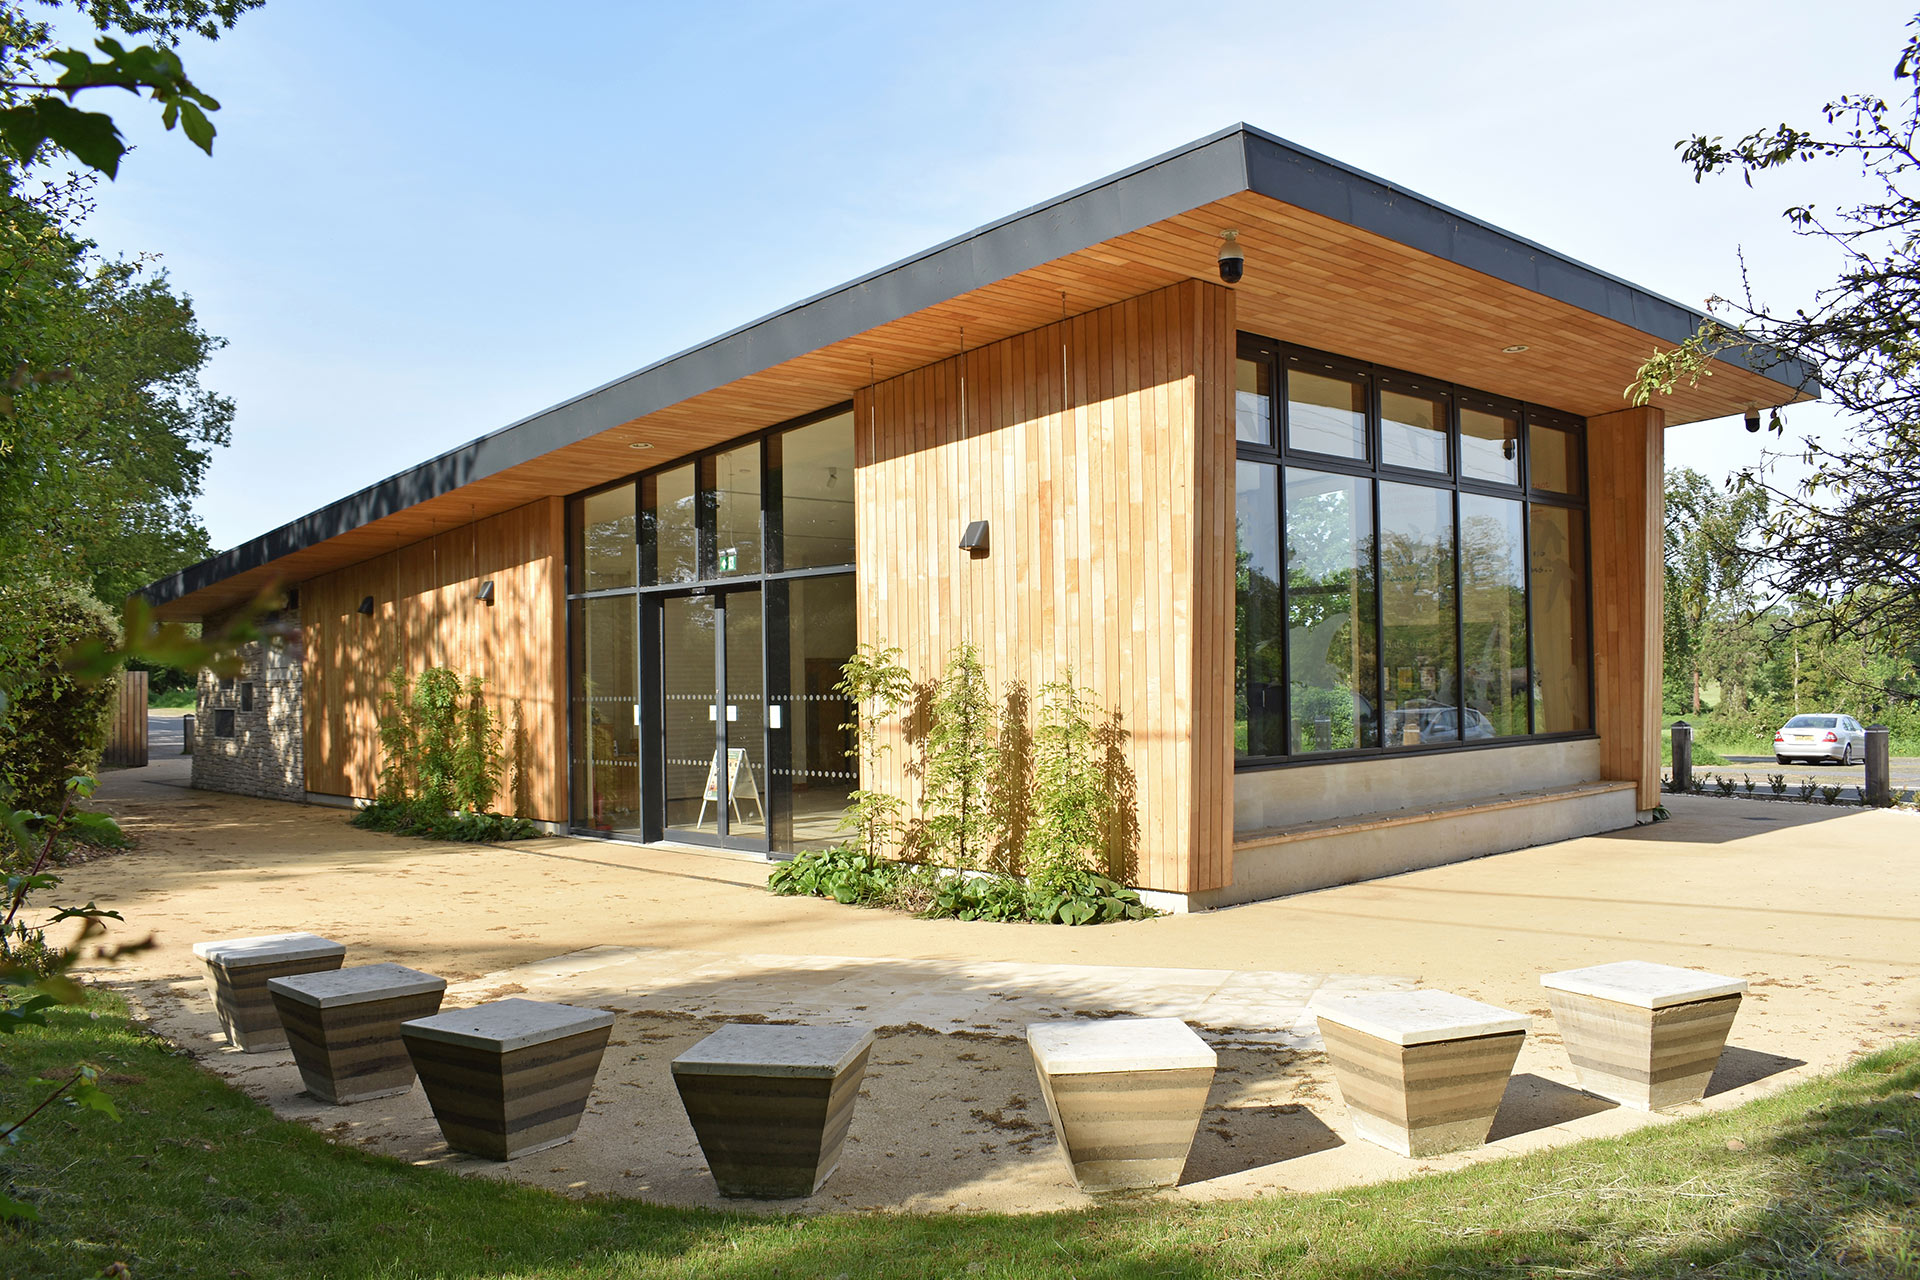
{"type": "Point", "coordinates": [1422, 1072]}
{"type": "Point", "coordinates": [343, 1026]}
{"type": "Point", "coordinates": [771, 1104]}
{"type": "Point", "coordinates": [1646, 1036]}
{"type": "Point", "coordinates": [1125, 1096]}
{"type": "Point", "coordinates": [238, 970]}
{"type": "Point", "coordinates": [509, 1078]}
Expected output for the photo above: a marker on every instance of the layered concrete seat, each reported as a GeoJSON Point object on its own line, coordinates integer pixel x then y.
{"type": "Point", "coordinates": [508, 1078]}
{"type": "Point", "coordinates": [1125, 1096]}
{"type": "Point", "coordinates": [238, 970]}
{"type": "Point", "coordinates": [771, 1104]}
{"type": "Point", "coordinates": [1644, 1035]}
{"type": "Point", "coordinates": [343, 1026]}
{"type": "Point", "coordinates": [1422, 1072]}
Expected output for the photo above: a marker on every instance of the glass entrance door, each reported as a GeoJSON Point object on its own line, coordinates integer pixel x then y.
{"type": "Point", "coordinates": [713, 718]}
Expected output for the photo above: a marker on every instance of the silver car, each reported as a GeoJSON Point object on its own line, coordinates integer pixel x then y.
{"type": "Point", "coordinates": [1825, 737]}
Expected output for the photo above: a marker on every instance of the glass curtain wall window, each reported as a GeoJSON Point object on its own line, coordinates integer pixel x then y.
{"type": "Point", "coordinates": [711, 607]}
{"type": "Point", "coordinates": [1411, 563]}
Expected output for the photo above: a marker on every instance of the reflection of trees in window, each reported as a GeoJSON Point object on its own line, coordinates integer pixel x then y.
{"type": "Point", "coordinates": [604, 545]}
{"type": "Point", "coordinates": [669, 525]}
{"type": "Point", "coordinates": [1493, 608]}
{"type": "Point", "coordinates": [1558, 576]}
{"type": "Point", "coordinates": [1259, 727]}
{"type": "Point", "coordinates": [1331, 600]}
{"type": "Point", "coordinates": [1416, 612]}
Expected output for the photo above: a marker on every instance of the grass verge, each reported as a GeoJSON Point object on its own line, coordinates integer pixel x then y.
{"type": "Point", "coordinates": [1702, 753]}
{"type": "Point", "coordinates": [198, 1180]}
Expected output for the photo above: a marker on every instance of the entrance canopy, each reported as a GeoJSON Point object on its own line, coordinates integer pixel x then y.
{"type": "Point", "coordinates": [1335, 259]}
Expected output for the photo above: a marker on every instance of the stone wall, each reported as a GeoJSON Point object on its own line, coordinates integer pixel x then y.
{"type": "Point", "coordinates": [260, 752]}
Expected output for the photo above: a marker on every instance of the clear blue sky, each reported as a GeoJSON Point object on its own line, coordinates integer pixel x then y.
{"type": "Point", "coordinates": [424, 220]}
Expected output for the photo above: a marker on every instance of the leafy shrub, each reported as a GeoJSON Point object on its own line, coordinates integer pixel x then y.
{"type": "Point", "coordinates": [1012, 825]}
{"type": "Point", "coordinates": [1830, 793]}
{"type": "Point", "coordinates": [1746, 780]}
{"type": "Point", "coordinates": [878, 686]}
{"type": "Point", "coordinates": [1777, 783]}
{"type": "Point", "coordinates": [961, 752]}
{"type": "Point", "coordinates": [848, 875]}
{"type": "Point", "coordinates": [990, 896]}
{"type": "Point", "coordinates": [441, 761]}
{"type": "Point", "coordinates": [1725, 786]}
{"type": "Point", "coordinates": [1807, 787]}
{"type": "Point", "coordinates": [1072, 807]}
{"type": "Point", "coordinates": [854, 878]}
{"type": "Point", "coordinates": [57, 721]}
{"type": "Point", "coordinates": [1087, 897]}
{"type": "Point", "coordinates": [403, 818]}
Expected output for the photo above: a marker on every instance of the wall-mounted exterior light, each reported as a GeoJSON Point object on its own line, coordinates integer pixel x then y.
{"type": "Point", "coordinates": [1753, 420]}
{"type": "Point", "coordinates": [975, 540]}
{"type": "Point", "coordinates": [366, 606]}
{"type": "Point", "coordinates": [485, 595]}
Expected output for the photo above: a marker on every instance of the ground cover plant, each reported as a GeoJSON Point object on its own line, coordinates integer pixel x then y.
{"type": "Point", "coordinates": [1822, 1179]}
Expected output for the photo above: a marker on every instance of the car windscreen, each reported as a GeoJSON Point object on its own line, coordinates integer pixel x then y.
{"type": "Point", "coordinates": [1811, 722]}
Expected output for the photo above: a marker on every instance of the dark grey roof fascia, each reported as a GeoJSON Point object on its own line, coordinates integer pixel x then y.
{"type": "Point", "coordinates": [1235, 159]}
{"type": "Point", "coordinates": [1320, 184]}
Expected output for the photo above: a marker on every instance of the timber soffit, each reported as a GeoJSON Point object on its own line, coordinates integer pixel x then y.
{"type": "Point", "coordinates": [1237, 159]}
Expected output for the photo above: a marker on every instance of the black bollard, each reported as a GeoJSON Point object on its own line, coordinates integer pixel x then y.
{"type": "Point", "coordinates": [1682, 757]}
{"type": "Point", "coordinates": [1879, 768]}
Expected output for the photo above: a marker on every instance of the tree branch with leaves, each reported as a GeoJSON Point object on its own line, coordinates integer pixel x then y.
{"type": "Point", "coordinates": [1841, 543]}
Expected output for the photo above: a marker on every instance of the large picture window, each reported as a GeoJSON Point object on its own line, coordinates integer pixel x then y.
{"type": "Point", "coordinates": [1411, 563]}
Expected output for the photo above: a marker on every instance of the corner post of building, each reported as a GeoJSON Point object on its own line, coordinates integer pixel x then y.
{"type": "Point", "coordinates": [1216, 341]}
{"type": "Point", "coordinates": [558, 798]}
{"type": "Point", "coordinates": [1626, 485]}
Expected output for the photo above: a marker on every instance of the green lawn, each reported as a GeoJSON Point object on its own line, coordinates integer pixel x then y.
{"type": "Point", "coordinates": [1702, 753]}
{"type": "Point", "coordinates": [171, 698]}
{"type": "Point", "coordinates": [1822, 1180]}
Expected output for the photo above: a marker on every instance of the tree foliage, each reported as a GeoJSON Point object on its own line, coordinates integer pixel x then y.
{"type": "Point", "coordinates": [1073, 808]}
{"type": "Point", "coordinates": [40, 82]}
{"type": "Point", "coordinates": [105, 429]}
{"type": "Point", "coordinates": [1710, 568]}
{"type": "Point", "coordinates": [1843, 545]}
{"type": "Point", "coordinates": [961, 752]}
{"type": "Point", "coordinates": [56, 722]}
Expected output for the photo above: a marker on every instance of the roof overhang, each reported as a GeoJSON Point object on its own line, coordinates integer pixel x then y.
{"type": "Point", "coordinates": [1336, 259]}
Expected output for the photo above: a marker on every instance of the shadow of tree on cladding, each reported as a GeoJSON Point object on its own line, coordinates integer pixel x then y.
{"type": "Point", "coordinates": [519, 789]}
{"type": "Point", "coordinates": [1010, 789]}
{"type": "Point", "coordinates": [1110, 738]}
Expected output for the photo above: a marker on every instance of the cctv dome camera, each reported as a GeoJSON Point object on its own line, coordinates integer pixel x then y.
{"type": "Point", "coordinates": [1233, 259]}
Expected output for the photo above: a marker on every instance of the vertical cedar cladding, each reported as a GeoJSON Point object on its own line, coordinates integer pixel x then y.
{"type": "Point", "coordinates": [1626, 481]}
{"type": "Point", "coordinates": [426, 614]}
{"type": "Point", "coordinates": [1101, 451]}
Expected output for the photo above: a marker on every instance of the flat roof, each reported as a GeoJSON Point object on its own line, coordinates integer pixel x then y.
{"type": "Point", "coordinates": [1234, 160]}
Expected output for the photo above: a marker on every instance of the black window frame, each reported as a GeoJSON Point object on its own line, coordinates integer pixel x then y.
{"type": "Point", "coordinates": [1281, 358]}
{"type": "Point", "coordinates": [648, 597]}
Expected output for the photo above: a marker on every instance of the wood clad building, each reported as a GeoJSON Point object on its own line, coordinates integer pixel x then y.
{"type": "Point", "coordinates": [1360, 550]}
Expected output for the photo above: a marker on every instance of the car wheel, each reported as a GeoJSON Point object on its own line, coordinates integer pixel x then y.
{"type": "Point", "coordinates": [1779, 759]}
{"type": "Point", "coordinates": [1846, 755]}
